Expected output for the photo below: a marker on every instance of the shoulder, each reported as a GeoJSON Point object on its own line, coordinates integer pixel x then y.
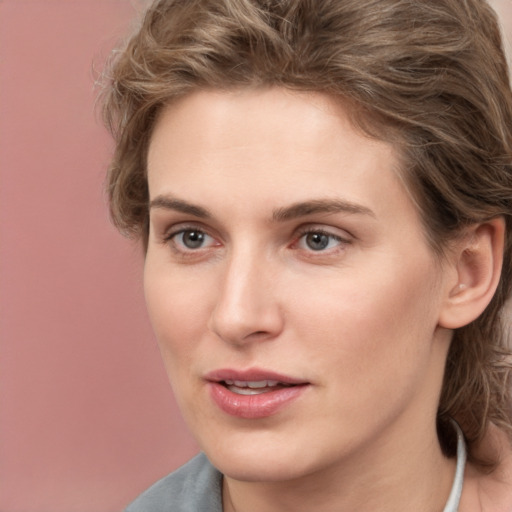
{"type": "Point", "coordinates": [195, 487]}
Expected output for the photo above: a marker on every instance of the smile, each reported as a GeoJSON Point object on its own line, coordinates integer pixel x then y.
{"type": "Point", "coordinates": [253, 394]}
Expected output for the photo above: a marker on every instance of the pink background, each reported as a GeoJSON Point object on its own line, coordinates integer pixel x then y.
{"type": "Point", "coordinates": [87, 420]}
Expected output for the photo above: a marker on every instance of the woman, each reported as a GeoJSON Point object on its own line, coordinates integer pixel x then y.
{"type": "Point", "coordinates": [323, 192]}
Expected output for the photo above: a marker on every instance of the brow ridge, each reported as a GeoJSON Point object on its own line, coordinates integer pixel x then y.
{"type": "Point", "coordinates": [295, 210]}
{"type": "Point", "coordinates": [172, 203]}
{"type": "Point", "coordinates": [305, 208]}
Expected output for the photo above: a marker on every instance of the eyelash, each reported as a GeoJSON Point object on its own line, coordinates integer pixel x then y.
{"type": "Point", "coordinates": [170, 239]}
{"type": "Point", "coordinates": [319, 231]}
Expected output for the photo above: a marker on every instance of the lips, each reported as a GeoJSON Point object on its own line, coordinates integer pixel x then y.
{"type": "Point", "coordinates": [254, 393]}
{"type": "Point", "coordinates": [257, 387]}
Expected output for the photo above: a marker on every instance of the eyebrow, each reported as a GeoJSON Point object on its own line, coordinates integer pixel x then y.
{"type": "Point", "coordinates": [171, 203]}
{"type": "Point", "coordinates": [303, 209]}
{"type": "Point", "coordinates": [294, 211]}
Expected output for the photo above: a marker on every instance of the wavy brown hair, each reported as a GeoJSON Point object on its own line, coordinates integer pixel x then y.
{"type": "Point", "coordinates": [429, 76]}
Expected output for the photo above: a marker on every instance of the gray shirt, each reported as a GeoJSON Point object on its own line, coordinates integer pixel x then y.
{"type": "Point", "coordinates": [195, 487]}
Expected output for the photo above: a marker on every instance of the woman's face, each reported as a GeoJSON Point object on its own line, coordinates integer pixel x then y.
{"type": "Point", "coordinates": [288, 280]}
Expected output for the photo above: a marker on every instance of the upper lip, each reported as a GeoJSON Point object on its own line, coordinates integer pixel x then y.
{"type": "Point", "coordinates": [251, 375]}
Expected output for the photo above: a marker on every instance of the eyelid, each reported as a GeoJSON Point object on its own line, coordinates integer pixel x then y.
{"type": "Point", "coordinates": [342, 234]}
{"type": "Point", "coordinates": [344, 238]}
{"type": "Point", "coordinates": [179, 227]}
{"type": "Point", "coordinates": [170, 234]}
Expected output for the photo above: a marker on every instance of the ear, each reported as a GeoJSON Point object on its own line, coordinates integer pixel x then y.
{"type": "Point", "coordinates": [477, 263]}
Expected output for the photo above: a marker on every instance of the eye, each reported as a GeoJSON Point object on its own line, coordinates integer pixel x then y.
{"type": "Point", "coordinates": [191, 239]}
{"type": "Point", "coordinates": [318, 240]}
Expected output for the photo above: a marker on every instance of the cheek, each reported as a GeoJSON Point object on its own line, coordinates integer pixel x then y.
{"type": "Point", "coordinates": [370, 346]}
{"type": "Point", "coordinates": [177, 306]}
{"type": "Point", "coordinates": [372, 323]}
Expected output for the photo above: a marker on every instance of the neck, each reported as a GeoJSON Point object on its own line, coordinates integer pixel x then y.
{"type": "Point", "coordinates": [403, 470]}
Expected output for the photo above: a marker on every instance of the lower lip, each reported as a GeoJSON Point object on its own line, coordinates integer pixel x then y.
{"type": "Point", "coordinates": [254, 406]}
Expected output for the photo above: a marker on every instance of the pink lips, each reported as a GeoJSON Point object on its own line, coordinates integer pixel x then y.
{"type": "Point", "coordinates": [253, 406]}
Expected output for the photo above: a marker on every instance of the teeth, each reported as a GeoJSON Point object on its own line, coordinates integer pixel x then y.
{"type": "Point", "coordinates": [254, 384]}
{"type": "Point", "coordinates": [251, 387]}
{"type": "Point", "coordinates": [246, 391]}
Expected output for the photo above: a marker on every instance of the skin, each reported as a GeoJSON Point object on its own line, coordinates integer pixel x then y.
{"type": "Point", "coordinates": [362, 320]}
{"type": "Point", "coordinates": [490, 492]}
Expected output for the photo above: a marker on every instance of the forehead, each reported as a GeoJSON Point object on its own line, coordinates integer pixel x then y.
{"type": "Point", "coordinates": [271, 146]}
{"type": "Point", "coordinates": [276, 120]}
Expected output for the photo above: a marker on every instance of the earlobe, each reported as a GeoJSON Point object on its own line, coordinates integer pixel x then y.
{"type": "Point", "coordinates": [477, 260]}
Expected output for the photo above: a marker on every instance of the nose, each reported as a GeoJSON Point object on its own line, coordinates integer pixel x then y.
{"type": "Point", "coordinates": [247, 308]}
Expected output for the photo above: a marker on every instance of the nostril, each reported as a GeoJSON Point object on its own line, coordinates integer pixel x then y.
{"type": "Point", "coordinates": [258, 335]}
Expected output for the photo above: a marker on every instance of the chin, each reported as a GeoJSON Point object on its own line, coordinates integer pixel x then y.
{"type": "Point", "coordinates": [262, 470]}
{"type": "Point", "coordinates": [263, 461]}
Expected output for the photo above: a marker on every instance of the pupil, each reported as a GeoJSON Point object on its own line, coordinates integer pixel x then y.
{"type": "Point", "coordinates": [193, 239]}
{"type": "Point", "coordinates": [317, 241]}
